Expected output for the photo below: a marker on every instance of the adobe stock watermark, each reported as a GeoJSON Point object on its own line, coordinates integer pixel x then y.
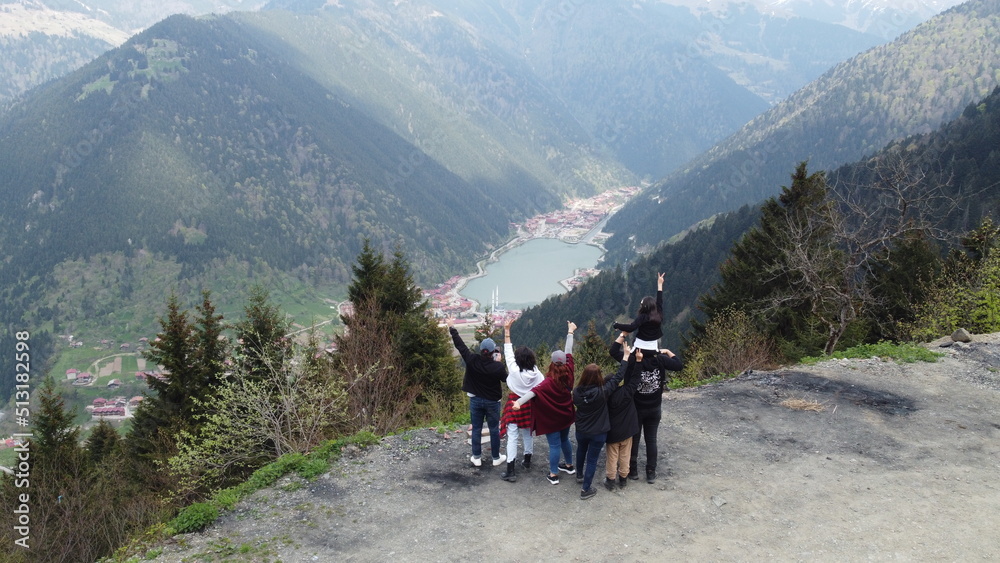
{"type": "Point", "coordinates": [22, 417]}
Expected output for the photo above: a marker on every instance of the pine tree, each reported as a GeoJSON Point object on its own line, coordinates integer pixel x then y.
{"type": "Point", "coordinates": [261, 335]}
{"type": "Point", "coordinates": [757, 278]}
{"type": "Point", "coordinates": [592, 349]}
{"type": "Point", "coordinates": [56, 436]}
{"type": "Point", "coordinates": [103, 441]}
{"type": "Point", "coordinates": [192, 356]}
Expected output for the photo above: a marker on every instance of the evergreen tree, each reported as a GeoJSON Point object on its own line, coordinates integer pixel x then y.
{"type": "Point", "coordinates": [56, 436]}
{"type": "Point", "coordinates": [757, 277]}
{"type": "Point", "coordinates": [592, 349]}
{"type": "Point", "coordinates": [192, 356]}
{"type": "Point", "coordinates": [103, 442]}
{"type": "Point", "coordinates": [261, 335]}
{"type": "Point", "coordinates": [406, 323]}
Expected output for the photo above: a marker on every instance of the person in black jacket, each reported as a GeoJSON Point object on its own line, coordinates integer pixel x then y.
{"type": "Point", "coordinates": [592, 424]}
{"type": "Point", "coordinates": [648, 402]}
{"type": "Point", "coordinates": [624, 424]}
{"type": "Point", "coordinates": [483, 374]}
{"type": "Point", "coordinates": [648, 320]}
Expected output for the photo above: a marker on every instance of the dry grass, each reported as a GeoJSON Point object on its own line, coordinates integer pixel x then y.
{"type": "Point", "coordinates": [803, 405]}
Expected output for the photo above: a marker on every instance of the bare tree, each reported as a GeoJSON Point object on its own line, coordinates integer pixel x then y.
{"type": "Point", "coordinates": [830, 248]}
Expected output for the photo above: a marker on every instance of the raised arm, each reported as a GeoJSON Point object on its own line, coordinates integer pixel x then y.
{"type": "Point", "coordinates": [508, 348]}
{"type": "Point", "coordinates": [616, 351]}
{"type": "Point", "coordinates": [612, 383]}
{"type": "Point", "coordinates": [570, 329]}
{"type": "Point", "coordinates": [463, 350]}
{"type": "Point", "coordinates": [659, 293]}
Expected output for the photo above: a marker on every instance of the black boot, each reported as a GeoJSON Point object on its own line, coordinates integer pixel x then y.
{"type": "Point", "coordinates": [527, 461]}
{"type": "Point", "coordinates": [509, 475]}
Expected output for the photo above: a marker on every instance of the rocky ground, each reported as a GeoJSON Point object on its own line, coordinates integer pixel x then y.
{"type": "Point", "coordinates": [880, 461]}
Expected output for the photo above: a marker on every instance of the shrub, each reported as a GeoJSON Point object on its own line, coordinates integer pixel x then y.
{"type": "Point", "coordinates": [194, 518]}
{"type": "Point", "coordinates": [730, 345]}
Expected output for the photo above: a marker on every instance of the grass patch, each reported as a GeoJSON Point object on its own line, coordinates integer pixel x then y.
{"type": "Point", "coordinates": [803, 405]}
{"type": "Point", "coordinates": [903, 353]}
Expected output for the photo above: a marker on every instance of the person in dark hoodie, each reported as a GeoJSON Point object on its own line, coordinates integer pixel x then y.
{"type": "Point", "coordinates": [648, 402]}
{"type": "Point", "coordinates": [592, 422]}
{"type": "Point", "coordinates": [624, 422]}
{"type": "Point", "coordinates": [483, 374]}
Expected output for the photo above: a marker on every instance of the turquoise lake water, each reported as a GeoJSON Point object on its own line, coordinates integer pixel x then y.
{"type": "Point", "coordinates": [527, 274]}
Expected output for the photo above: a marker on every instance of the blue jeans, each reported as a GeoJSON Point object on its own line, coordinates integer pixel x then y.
{"type": "Point", "coordinates": [480, 409]}
{"type": "Point", "coordinates": [588, 447]}
{"type": "Point", "coordinates": [559, 441]}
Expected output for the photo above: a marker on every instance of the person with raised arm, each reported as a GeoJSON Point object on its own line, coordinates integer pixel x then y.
{"type": "Point", "coordinates": [592, 422]}
{"type": "Point", "coordinates": [483, 374]}
{"type": "Point", "coordinates": [624, 422]}
{"type": "Point", "coordinates": [648, 323]}
{"type": "Point", "coordinates": [652, 374]}
{"type": "Point", "coordinates": [552, 412]}
{"type": "Point", "coordinates": [522, 375]}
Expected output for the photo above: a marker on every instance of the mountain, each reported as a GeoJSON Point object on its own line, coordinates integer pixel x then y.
{"type": "Point", "coordinates": [194, 144]}
{"type": "Point", "coordinates": [44, 39]}
{"type": "Point", "coordinates": [959, 159]}
{"type": "Point", "coordinates": [885, 18]}
{"type": "Point", "coordinates": [912, 85]}
{"type": "Point", "coordinates": [39, 44]}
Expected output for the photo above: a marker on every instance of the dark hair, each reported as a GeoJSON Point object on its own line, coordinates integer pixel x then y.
{"type": "Point", "coordinates": [591, 376]}
{"type": "Point", "coordinates": [561, 373]}
{"type": "Point", "coordinates": [648, 307]}
{"type": "Point", "coordinates": [525, 358]}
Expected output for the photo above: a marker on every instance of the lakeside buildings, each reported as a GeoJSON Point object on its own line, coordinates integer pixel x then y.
{"type": "Point", "coordinates": [577, 222]}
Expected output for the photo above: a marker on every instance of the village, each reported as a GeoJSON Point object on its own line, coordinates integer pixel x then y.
{"type": "Point", "coordinates": [578, 222]}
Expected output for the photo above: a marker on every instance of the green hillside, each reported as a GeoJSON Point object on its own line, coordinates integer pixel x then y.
{"type": "Point", "coordinates": [912, 85]}
{"type": "Point", "coordinates": [194, 144]}
{"type": "Point", "coordinates": [958, 163]}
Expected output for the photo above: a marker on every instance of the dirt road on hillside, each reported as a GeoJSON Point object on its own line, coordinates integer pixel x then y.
{"type": "Point", "coordinates": [902, 463]}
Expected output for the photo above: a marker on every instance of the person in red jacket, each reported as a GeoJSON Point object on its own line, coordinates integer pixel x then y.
{"type": "Point", "coordinates": [553, 412]}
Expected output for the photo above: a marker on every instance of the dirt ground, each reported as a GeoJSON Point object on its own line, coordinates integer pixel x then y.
{"type": "Point", "coordinates": [902, 463]}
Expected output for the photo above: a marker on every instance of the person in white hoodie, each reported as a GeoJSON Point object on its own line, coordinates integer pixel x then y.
{"type": "Point", "coordinates": [522, 375]}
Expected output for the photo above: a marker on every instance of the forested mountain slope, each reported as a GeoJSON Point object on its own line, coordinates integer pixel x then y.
{"type": "Point", "coordinates": [194, 143]}
{"type": "Point", "coordinates": [912, 85]}
{"type": "Point", "coordinates": [958, 163]}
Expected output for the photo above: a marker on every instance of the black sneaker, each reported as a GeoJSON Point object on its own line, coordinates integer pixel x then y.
{"type": "Point", "coordinates": [589, 493]}
{"type": "Point", "coordinates": [567, 468]}
{"type": "Point", "coordinates": [633, 473]}
{"type": "Point", "coordinates": [554, 479]}
{"type": "Point", "coordinates": [622, 482]}
{"type": "Point", "coordinates": [650, 475]}
{"type": "Point", "coordinates": [609, 484]}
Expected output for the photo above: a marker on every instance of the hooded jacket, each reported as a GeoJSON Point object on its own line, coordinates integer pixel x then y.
{"type": "Point", "coordinates": [592, 404]}
{"type": "Point", "coordinates": [621, 407]}
{"type": "Point", "coordinates": [520, 381]}
{"type": "Point", "coordinates": [652, 374]}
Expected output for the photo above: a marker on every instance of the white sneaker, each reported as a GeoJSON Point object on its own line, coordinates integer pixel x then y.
{"type": "Point", "coordinates": [499, 460]}
{"type": "Point", "coordinates": [476, 460]}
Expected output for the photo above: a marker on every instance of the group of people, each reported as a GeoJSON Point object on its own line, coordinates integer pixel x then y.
{"type": "Point", "coordinates": [611, 412]}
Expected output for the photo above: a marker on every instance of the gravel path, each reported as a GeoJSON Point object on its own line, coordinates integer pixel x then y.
{"type": "Point", "coordinates": [901, 464]}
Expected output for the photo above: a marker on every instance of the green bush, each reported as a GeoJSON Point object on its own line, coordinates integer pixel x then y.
{"type": "Point", "coordinates": [195, 517]}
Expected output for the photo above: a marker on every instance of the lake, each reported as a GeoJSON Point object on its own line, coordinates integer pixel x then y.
{"type": "Point", "coordinates": [527, 274]}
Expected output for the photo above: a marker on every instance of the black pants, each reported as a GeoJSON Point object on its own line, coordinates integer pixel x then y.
{"type": "Point", "coordinates": [649, 423]}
